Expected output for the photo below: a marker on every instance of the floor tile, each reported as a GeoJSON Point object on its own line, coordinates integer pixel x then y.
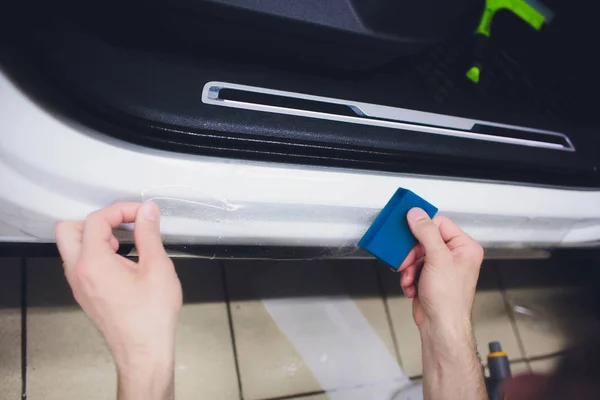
{"type": "Point", "coordinates": [490, 319]}
{"type": "Point", "coordinates": [205, 363]}
{"type": "Point", "coordinates": [518, 368]}
{"type": "Point", "coordinates": [407, 334]}
{"type": "Point", "coordinates": [382, 391]}
{"type": "Point", "coordinates": [69, 359]}
{"type": "Point", "coordinates": [271, 363]}
{"type": "Point", "coordinates": [413, 391]}
{"type": "Point", "coordinates": [10, 328]}
{"type": "Point", "coordinates": [549, 319]}
{"type": "Point", "coordinates": [545, 366]}
{"type": "Point", "coordinates": [550, 307]}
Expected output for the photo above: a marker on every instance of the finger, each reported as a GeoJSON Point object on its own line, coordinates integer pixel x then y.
{"type": "Point", "coordinates": [114, 243]}
{"type": "Point", "coordinates": [146, 233]}
{"type": "Point", "coordinates": [449, 231]}
{"type": "Point", "coordinates": [410, 292]}
{"type": "Point", "coordinates": [415, 254]}
{"type": "Point", "coordinates": [409, 260]}
{"type": "Point", "coordinates": [426, 232]}
{"type": "Point", "coordinates": [408, 276]}
{"type": "Point", "coordinates": [420, 251]}
{"type": "Point", "coordinates": [68, 236]}
{"type": "Point", "coordinates": [455, 238]}
{"type": "Point", "coordinates": [97, 232]}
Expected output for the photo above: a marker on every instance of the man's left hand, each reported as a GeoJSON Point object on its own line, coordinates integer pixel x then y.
{"type": "Point", "coordinates": [134, 304]}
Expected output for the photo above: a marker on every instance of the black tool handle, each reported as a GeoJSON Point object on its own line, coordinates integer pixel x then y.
{"type": "Point", "coordinates": [499, 371]}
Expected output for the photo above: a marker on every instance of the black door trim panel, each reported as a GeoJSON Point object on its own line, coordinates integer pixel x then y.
{"type": "Point", "coordinates": [154, 98]}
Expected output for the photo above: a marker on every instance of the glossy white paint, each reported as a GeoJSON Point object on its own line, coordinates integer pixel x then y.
{"type": "Point", "coordinates": [52, 169]}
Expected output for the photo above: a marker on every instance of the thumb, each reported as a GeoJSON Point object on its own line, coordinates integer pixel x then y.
{"type": "Point", "coordinates": [426, 232]}
{"type": "Point", "coordinates": [146, 232]}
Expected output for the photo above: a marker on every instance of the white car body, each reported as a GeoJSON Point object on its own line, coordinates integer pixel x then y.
{"type": "Point", "coordinates": [53, 169]}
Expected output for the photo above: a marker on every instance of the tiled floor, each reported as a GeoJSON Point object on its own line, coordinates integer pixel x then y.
{"type": "Point", "coordinates": [270, 330]}
{"type": "Point", "coordinates": [10, 329]}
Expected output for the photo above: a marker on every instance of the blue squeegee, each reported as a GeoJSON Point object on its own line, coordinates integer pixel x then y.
{"type": "Point", "coordinates": [389, 238]}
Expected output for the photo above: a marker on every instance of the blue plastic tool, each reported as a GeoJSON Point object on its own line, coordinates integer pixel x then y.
{"type": "Point", "coordinates": [389, 238]}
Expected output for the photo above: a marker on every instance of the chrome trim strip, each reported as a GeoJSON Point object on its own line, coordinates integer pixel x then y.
{"type": "Point", "coordinates": [438, 124]}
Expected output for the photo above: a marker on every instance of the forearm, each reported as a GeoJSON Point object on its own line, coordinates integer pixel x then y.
{"type": "Point", "coordinates": [451, 368]}
{"type": "Point", "coordinates": [153, 380]}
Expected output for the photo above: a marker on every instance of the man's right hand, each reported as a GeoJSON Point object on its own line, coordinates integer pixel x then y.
{"type": "Point", "coordinates": [440, 275]}
{"type": "Point", "coordinates": [441, 272]}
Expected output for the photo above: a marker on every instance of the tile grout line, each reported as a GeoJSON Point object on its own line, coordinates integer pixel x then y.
{"type": "Point", "coordinates": [297, 395]}
{"type": "Point", "coordinates": [231, 330]}
{"type": "Point", "coordinates": [548, 356]}
{"type": "Point", "coordinates": [386, 307]}
{"type": "Point", "coordinates": [536, 358]}
{"type": "Point", "coordinates": [23, 273]}
{"type": "Point", "coordinates": [511, 317]}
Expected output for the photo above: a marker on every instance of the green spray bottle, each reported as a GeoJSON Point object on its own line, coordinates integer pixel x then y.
{"type": "Point", "coordinates": [531, 11]}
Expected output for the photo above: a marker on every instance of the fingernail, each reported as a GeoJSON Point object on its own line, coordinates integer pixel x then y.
{"type": "Point", "coordinates": [416, 214]}
{"type": "Point", "coordinates": [150, 211]}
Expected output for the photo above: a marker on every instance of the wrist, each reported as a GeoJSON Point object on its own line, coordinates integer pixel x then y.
{"type": "Point", "coordinates": [139, 352]}
{"type": "Point", "coordinates": [150, 378]}
{"type": "Point", "coordinates": [144, 362]}
{"type": "Point", "coordinates": [447, 338]}
{"type": "Point", "coordinates": [143, 358]}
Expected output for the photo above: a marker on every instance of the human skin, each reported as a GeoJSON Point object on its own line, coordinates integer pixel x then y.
{"type": "Point", "coordinates": [440, 275]}
{"type": "Point", "coordinates": [135, 305]}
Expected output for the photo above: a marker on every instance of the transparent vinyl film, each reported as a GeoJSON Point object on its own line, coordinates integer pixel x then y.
{"type": "Point", "coordinates": [192, 217]}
